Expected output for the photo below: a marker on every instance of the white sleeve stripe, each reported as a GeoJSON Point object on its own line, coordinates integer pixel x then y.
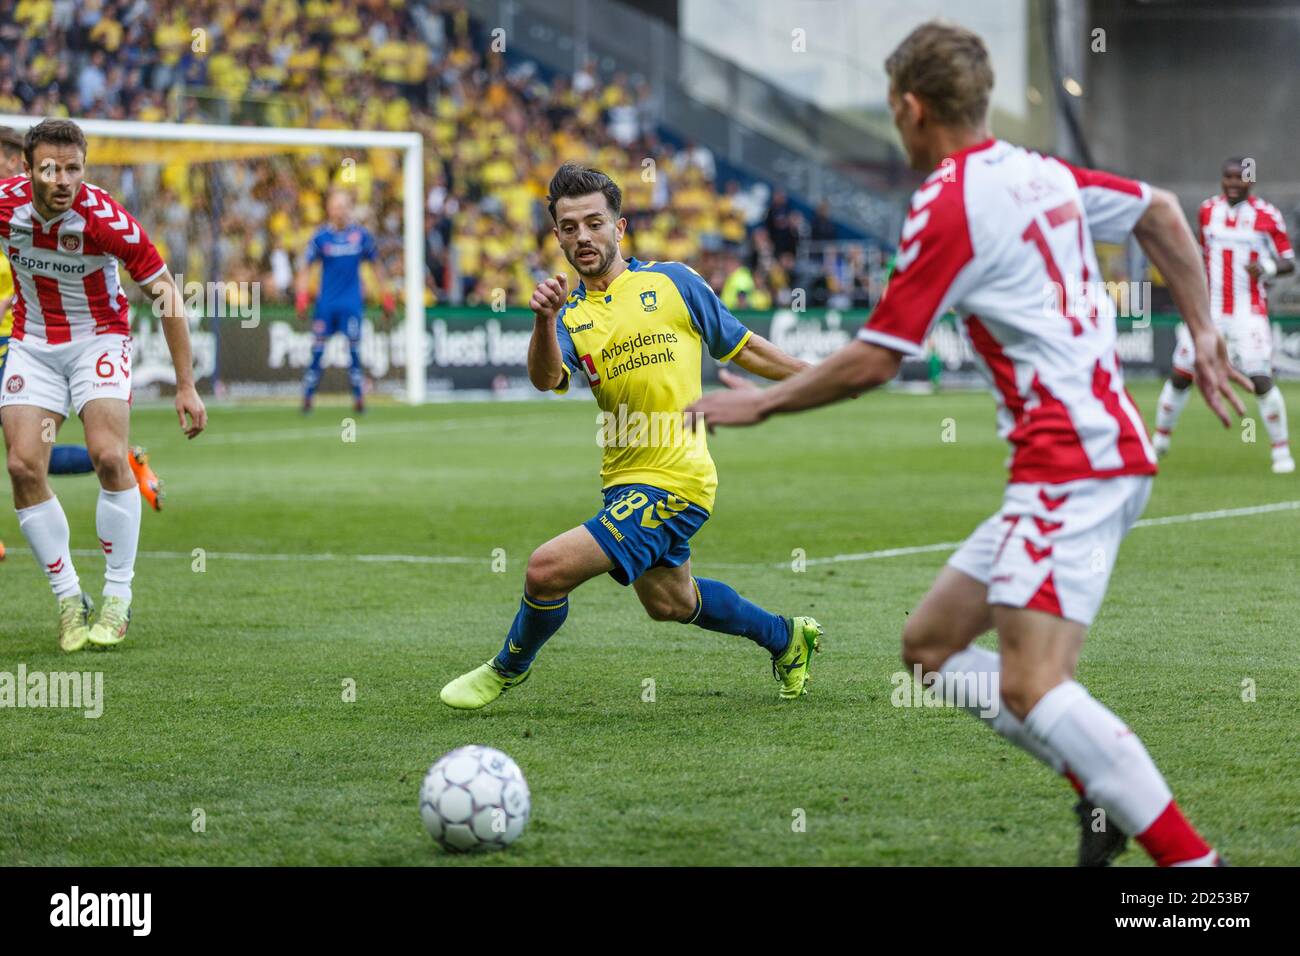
{"type": "Point", "coordinates": [892, 342]}
{"type": "Point", "coordinates": [155, 275]}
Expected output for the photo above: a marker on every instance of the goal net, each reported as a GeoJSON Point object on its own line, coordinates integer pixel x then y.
{"type": "Point", "coordinates": [231, 209]}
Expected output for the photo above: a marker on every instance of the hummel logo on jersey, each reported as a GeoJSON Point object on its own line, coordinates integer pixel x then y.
{"type": "Point", "coordinates": [1035, 553]}
{"type": "Point", "coordinates": [1048, 527]}
{"type": "Point", "coordinates": [585, 327]}
{"type": "Point", "coordinates": [96, 199]}
{"type": "Point", "coordinates": [1051, 504]}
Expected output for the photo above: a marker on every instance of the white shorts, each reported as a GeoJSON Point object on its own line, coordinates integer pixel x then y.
{"type": "Point", "coordinates": [1250, 345]}
{"type": "Point", "coordinates": [56, 377]}
{"type": "Point", "coordinates": [1052, 547]}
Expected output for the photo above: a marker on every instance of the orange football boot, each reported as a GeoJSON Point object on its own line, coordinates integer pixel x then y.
{"type": "Point", "coordinates": [150, 484]}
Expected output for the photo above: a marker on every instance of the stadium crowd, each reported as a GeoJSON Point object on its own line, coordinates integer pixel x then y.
{"type": "Point", "coordinates": [494, 132]}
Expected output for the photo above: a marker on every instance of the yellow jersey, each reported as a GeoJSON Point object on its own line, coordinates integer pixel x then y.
{"type": "Point", "coordinates": [6, 292]}
{"type": "Point", "coordinates": [639, 346]}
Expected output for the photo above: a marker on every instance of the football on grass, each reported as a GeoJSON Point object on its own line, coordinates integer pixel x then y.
{"type": "Point", "coordinates": [474, 798]}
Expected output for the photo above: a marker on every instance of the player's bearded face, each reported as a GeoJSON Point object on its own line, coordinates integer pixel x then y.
{"type": "Point", "coordinates": [56, 174]}
{"type": "Point", "coordinates": [588, 234]}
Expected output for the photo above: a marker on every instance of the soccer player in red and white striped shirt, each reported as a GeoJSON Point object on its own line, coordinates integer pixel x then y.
{"type": "Point", "coordinates": [1246, 247]}
{"type": "Point", "coordinates": [71, 346]}
{"type": "Point", "coordinates": [1005, 237]}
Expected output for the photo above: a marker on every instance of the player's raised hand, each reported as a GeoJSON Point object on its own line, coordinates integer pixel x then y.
{"type": "Point", "coordinates": [549, 296]}
{"type": "Point", "coordinates": [189, 404]}
{"type": "Point", "coordinates": [1214, 376]}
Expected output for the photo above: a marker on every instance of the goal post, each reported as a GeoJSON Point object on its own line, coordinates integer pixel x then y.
{"type": "Point", "coordinates": [410, 144]}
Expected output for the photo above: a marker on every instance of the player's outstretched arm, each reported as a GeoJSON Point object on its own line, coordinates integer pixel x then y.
{"type": "Point", "coordinates": [170, 306]}
{"type": "Point", "coordinates": [1166, 238]}
{"type": "Point", "coordinates": [854, 369]}
{"type": "Point", "coordinates": [762, 358]}
{"type": "Point", "coordinates": [545, 364]}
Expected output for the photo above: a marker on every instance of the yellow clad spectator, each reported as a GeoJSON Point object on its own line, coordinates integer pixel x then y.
{"type": "Point", "coordinates": [152, 112]}
{"type": "Point", "coordinates": [42, 69]}
{"type": "Point", "coordinates": [388, 61]}
{"type": "Point", "coordinates": [740, 281]}
{"type": "Point", "coordinates": [107, 33]}
{"type": "Point", "coordinates": [33, 15]}
{"type": "Point", "coordinates": [171, 38]}
{"type": "Point", "coordinates": [346, 23]}
{"type": "Point", "coordinates": [417, 62]}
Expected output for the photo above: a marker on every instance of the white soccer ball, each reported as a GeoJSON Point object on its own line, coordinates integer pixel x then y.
{"type": "Point", "coordinates": [474, 798]}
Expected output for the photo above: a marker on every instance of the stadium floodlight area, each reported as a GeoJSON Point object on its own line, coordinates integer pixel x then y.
{"type": "Point", "coordinates": [410, 144]}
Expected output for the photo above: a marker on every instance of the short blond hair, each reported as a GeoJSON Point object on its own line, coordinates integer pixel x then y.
{"type": "Point", "coordinates": [948, 68]}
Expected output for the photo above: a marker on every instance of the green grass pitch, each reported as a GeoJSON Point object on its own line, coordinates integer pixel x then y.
{"type": "Point", "coordinates": [228, 696]}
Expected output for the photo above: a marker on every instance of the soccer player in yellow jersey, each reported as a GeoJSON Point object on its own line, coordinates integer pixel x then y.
{"type": "Point", "coordinates": [635, 333]}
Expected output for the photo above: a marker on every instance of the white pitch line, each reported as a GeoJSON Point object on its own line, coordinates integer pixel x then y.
{"type": "Point", "coordinates": [324, 556]}
{"type": "Point", "coordinates": [1222, 513]}
{"type": "Point", "coordinates": [363, 428]}
{"type": "Point", "coordinates": [1189, 518]}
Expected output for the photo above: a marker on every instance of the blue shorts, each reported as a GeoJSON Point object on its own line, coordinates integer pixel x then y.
{"type": "Point", "coordinates": [643, 527]}
{"type": "Point", "coordinates": [334, 321]}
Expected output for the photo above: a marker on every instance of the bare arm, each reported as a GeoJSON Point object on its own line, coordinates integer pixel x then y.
{"type": "Point", "coordinates": [1165, 237]}
{"type": "Point", "coordinates": [764, 359]}
{"type": "Point", "coordinates": [545, 364]}
{"type": "Point", "coordinates": [854, 369]}
{"type": "Point", "coordinates": [169, 306]}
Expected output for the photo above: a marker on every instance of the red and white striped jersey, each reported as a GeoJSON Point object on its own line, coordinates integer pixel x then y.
{"type": "Point", "coordinates": [1232, 237]}
{"type": "Point", "coordinates": [1004, 236]}
{"type": "Point", "coordinates": [65, 270]}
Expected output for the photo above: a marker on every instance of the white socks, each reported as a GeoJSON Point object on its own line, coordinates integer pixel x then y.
{"type": "Point", "coordinates": [1170, 406]}
{"type": "Point", "coordinates": [980, 670]}
{"type": "Point", "coordinates": [45, 527]}
{"type": "Point", "coordinates": [1116, 771]}
{"type": "Point", "coordinates": [1075, 735]}
{"type": "Point", "coordinates": [117, 522]}
{"type": "Point", "coordinates": [1272, 408]}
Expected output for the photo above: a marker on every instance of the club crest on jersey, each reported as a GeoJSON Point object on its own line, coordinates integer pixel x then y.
{"type": "Point", "coordinates": [14, 385]}
{"type": "Point", "coordinates": [70, 242]}
{"type": "Point", "coordinates": [648, 301]}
